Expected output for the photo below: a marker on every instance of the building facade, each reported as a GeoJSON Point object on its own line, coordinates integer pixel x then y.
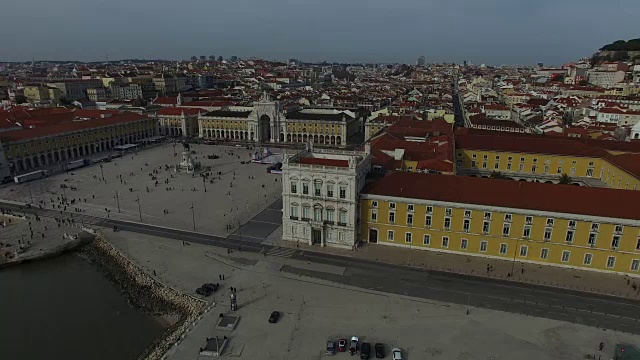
{"type": "Point", "coordinates": [43, 146]}
{"type": "Point", "coordinates": [76, 89]}
{"type": "Point", "coordinates": [501, 219]}
{"type": "Point", "coordinates": [321, 191]}
{"type": "Point", "coordinates": [178, 121]}
{"type": "Point", "coordinates": [5, 170]}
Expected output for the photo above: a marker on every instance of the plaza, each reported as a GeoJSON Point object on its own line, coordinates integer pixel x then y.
{"type": "Point", "coordinates": [314, 311]}
{"type": "Point", "coordinates": [144, 187]}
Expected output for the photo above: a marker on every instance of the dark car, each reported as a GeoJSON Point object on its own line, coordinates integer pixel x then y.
{"type": "Point", "coordinates": [274, 317]}
{"type": "Point", "coordinates": [211, 286]}
{"type": "Point", "coordinates": [365, 351]}
{"type": "Point", "coordinates": [331, 347]}
{"type": "Point", "coordinates": [342, 345]}
{"type": "Point", "coordinates": [379, 350]}
{"type": "Point", "coordinates": [204, 291]}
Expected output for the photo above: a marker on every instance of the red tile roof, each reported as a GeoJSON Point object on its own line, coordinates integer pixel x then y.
{"type": "Point", "coordinates": [46, 131]}
{"type": "Point", "coordinates": [569, 199]}
{"type": "Point", "coordinates": [495, 107]}
{"type": "Point", "coordinates": [323, 162]}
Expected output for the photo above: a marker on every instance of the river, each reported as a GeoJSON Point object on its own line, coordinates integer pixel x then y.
{"type": "Point", "coordinates": [63, 308]}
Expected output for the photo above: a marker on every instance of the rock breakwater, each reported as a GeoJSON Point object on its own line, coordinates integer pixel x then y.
{"type": "Point", "coordinates": [148, 294]}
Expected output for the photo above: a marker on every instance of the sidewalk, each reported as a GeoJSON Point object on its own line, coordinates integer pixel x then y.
{"type": "Point", "coordinates": [547, 275]}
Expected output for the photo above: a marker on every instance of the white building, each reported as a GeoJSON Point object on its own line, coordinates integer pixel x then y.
{"type": "Point", "coordinates": [321, 190]}
{"type": "Point", "coordinates": [635, 132]}
{"type": "Point", "coordinates": [605, 79]}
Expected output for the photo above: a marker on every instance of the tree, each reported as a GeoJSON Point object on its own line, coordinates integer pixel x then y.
{"type": "Point", "coordinates": [565, 179]}
{"type": "Point", "coordinates": [497, 175]}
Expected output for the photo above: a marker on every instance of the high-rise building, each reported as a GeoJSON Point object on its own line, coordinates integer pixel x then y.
{"type": "Point", "coordinates": [212, 58]}
{"type": "Point", "coordinates": [421, 61]}
{"type": "Point", "coordinates": [194, 58]}
{"type": "Point", "coordinates": [203, 58]}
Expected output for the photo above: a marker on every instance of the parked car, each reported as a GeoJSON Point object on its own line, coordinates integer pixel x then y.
{"type": "Point", "coordinates": [365, 351]}
{"type": "Point", "coordinates": [396, 354]}
{"type": "Point", "coordinates": [342, 345]}
{"type": "Point", "coordinates": [213, 287]}
{"type": "Point", "coordinates": [354, 345]}
{"type": "Point", "coordinates": [379, 350]}
{"type": "Point", "coordinates": [204, 291]}
{"type": "Point", "coordinates": [331, 347]}
{"type": "Point", "coordinates": [273, 318]}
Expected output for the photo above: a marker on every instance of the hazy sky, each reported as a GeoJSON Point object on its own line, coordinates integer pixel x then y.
{"type": "Point", "coordinates": [482, 31]}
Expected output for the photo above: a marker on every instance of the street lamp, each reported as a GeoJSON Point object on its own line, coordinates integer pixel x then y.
{"type": "Point", "coordinates": [102, 171]}
{"type": "Point", "coordinates": [117, 200]}
{"type": "Point", "coordinates": [193, 216]}
{"type": "Point", "coordinates": [515, 251]}
{"type": "Point", "coordinates": [204, 182]}
{"type": "Point", "coordinates": [139, 210]}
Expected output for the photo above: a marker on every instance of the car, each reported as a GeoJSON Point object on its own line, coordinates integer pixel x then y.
{"type": "Point", "coordinates": [331, 347]}
{"type": "Point", "coordinates": [211, 286]}
{"type": "Point", "coordinates": [365, 351]}
{"type": "Point", "coordinates": [342, 345]}
{"type": "Point", "coordinates": [396, 354]}
{"type": "Point", "coordinates": [353, 346]}
{"type": "Point", "coordinates": [204, 291]}
{"type": "Point", "coordinates": [379, 350]}
{"type": "Point", "coordinates": [273, 318]}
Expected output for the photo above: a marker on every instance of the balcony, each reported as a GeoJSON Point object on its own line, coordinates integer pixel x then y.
{"type": "Point", "coordinates": [293, 217]}
{"type": "Point", "coordinates": [305, 219]}
{"type": "Point", "coordinates": [327, 222]}
{"type": "Point", "coordinates": [342, 224]}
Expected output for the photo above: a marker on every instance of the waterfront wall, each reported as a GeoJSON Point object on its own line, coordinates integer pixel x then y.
{"type": "Point", "coordinates": [146, 293]}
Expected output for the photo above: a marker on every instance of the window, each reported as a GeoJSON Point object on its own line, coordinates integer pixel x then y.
{"type": "Point", "coordinates": [526, 232]}
{"type": "Point", "coordinates": [572, 224]}
{"type": "Point", "coordinates": [503, 249]}
{"type": "Point", "coordinates": [533, 168]}
{"type": "Point", "coordinates": [464, 243]}
{"type": "Point", "coordinates": [294, 211]}
{"type": "Point", "coordinates": [392, 217]}
{"type": "Point", "coordinates": [467, 213]}
{"type": "Point", "coordinates": [447, 211]}
{"type": "Point", "coordinates": [473, 163]}
{"type": "Point", "coordinates": [619, 229]}
{"type": "Point", "coordinates": [409, 207]}
{"type": "Point", "coordinates": [427, 221]}
{"type": "Point", "coordinates": [528, 220]}
{"type": "Point", "coordinates": [407, 237]}
{"type": "Point", "coordinates": [595, 227]}
{"type": "Point", "coordinates": [485, 227]}
{"type": "Point", "coordinates": [485, 156]}
{"type": "Point", "coordinates": [509, 166]}
{"type": "Point", "coordinates": [547, 233]}
{"type": "Point", "coordinates": [496, 166]}
{"type": "Point", "coordinates": [638, 243]}
{"type": "Point", "coordinates": [569, 237]}
{"type": "Point", "coordinates": [293, 230]}
{"type": "Point", "coordinates": [409, 219]}
{"type": "Point", "coordinates": [426, 240]}
{"type": "Point", "coordinates": [341, 236]}
{"type": "Point", "coordinates": [445, 242]}
{"type": "Point", "coordinates": [374, 204]}
{"type": "Point", "coordinates": [317, 214]}
{"type": "Point", "coordinates": [343, 192]}
{"type": "Point", "coordinates": [317, 188]}
{"type": "Point", "coordinates": [535, 160]}
{"type": "Point", "coordinates": [305, 213]}
{"type": "Point", "coordinates": [487, 215]}
{"type": "Point", "coordinates": [392, 205]}
{"type": "Point", "coordinates": [507, 217]}
{"type": "Point", "coordinates": [506, 229]}
{"type": "Point", "coordinates": [566, 255]}
{"type": "Point", "coordinates": [550, 222]}
{"type": "Point", "coordinates": [473, 156]}
{"type": "Point", "coordinates": [524, 249]}
{"type": "Point", "coordinates": [294, 187]}
{"type": "Point", "coordinates": [520, 167]}
{"type": "Point", "coordinates": [611, 261]}
{"type": "Point", "coordinates": [587, 259]}
{"type": "Point", "coordinates": [466, 224]}
{"type": "Point", "coordinates": [330, 194]}
{"type": "Point", "coordinates": [305, 188]}
{"type": "Point", "coordinates": [559, 169]}
{"type": "Point", "coordinates": [544, 253]}
{"type": "Point", "coordinates": [447, 223]}
{"type": "Point", "coordinates": [429, 209]}
{"type": "Point", "coordinates": [593, 237]}
{"type": "Point", "coordinates": [330, 213]}
{"type": "Point", "coordinates": [390, 235]}
{"type": "Point", "coordinates": [635, 265]}
{"type": "Point", "coordinates": [304, 231]}
{"type": "Point", "coordinates": [484, 165]}
{"type": "Point", "coordinates": [342, 217]}
{"type": "Point", "coordinates": [521, 159]}
{"type": "Point", "coordinates": [615, 242]}
{"type": "Point", "coordinates": [483, 245]}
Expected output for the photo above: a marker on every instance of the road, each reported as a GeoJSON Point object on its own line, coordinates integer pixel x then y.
{"type": "Point", "coordinates": [535, 300]}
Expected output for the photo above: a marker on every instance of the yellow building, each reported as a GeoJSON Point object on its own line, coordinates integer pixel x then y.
{"type": "Point", "coordinates": [562, 225]}
{"type": "Point", "coordinates": [37, 94]}
{"type": "Point", "coordinates": [542, 159]}
{"type": "Point", "coordinates": [48, 145]}
{"type": "Point", "coordinates": [178, 121]}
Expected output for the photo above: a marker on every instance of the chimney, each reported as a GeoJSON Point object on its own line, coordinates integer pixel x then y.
{"type": "Point", "coordinates": [367, 148]}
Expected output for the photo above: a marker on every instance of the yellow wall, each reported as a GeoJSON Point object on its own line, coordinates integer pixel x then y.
{"type": "Point", "coordinates": [556, 165]}
{"type": "Point", "coordinates": [624, 254]}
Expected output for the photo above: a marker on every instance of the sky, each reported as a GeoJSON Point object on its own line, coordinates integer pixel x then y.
{"type": "Point", "coordinates": [481, 31]}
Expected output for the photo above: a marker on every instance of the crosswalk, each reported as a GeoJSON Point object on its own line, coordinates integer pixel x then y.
{"type": "Point", "coordinates": [281, 252]}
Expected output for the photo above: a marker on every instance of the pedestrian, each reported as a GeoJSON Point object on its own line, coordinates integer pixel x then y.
{"type": "Point", "coordinates": [220, 276]}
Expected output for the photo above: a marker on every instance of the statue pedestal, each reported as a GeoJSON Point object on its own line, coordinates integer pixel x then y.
{"type": "Point", "coordinates": [187, 163]}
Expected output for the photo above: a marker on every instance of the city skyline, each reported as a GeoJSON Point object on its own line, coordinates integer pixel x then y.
{"type": "Point", "coordinates": [380, 32]}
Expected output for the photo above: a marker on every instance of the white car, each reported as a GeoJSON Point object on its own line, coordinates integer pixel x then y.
{"type": "Point", "coordinates": [396, 354]}
{"type": "Point", "coordinates": [353, 347]}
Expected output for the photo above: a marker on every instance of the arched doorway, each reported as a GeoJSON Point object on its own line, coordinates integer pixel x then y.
{"type": "Point", "coordinates": [338, 140]}
{"type": "Point", "coordinates": [288, 137]}
{"type": "Point", "coordinates": [281, 137]}
{"type": "Point", "coordinates": [265, 128]}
